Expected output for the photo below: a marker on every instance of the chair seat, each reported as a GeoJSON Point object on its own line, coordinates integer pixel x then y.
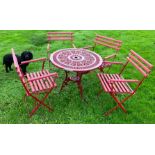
{"type": "Point", "coordinates": [118, 87]}
{"type": "Point", "coordinates": [41, 85]}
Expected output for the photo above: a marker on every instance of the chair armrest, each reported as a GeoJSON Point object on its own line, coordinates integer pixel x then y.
{"type": "Point", "coordinates": [123, 80]}
{"type": "Point", "coordinates": [34, 60]}
{"type": "Point", "coordinates": [55, 75]}
{"type": "Point", "coordinates": [114, 62]}
{"type": "Point", "coordinates": [87, 47]}
{"type": "Point", "coordinates": [109, 56]}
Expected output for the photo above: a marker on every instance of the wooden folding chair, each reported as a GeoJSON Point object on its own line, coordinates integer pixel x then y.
{"type": "Point", "coordinates": [107, 42]}
{"type": "Point", "coordinates": [37, 83]}
{"type": "Point", "coordinates": [116, 85]}
{"type": "Point", "coordinates": [58, 36]}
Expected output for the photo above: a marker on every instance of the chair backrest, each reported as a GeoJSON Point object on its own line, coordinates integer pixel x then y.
{"type": "Point", "coordinates": [60, 36]}
{"type": "Point", "coordinates": [108, 42]}
{"type": "Point", "coordinates": [18, 70]}
{"type": "Point", "coordinates": [142, 65]}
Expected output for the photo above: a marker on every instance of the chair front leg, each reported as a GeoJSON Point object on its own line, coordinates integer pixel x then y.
{"type": "Point", "coordinates": [119, 104]}
{"type": "Point", "coordinates": [40, 102]}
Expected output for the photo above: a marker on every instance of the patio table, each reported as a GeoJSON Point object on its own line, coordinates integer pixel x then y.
{"type": "Point", "coordinates": [77, 60]}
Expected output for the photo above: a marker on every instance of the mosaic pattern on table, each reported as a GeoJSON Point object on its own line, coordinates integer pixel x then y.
{"type": "Point", "coordinates": [76, 59]}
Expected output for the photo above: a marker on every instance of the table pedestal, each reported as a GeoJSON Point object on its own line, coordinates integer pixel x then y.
{"type": "Point", "coordinates": [76, 79]}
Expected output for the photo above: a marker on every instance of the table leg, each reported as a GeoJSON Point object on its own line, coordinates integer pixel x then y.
{"type": "Point", "coordinates": [79, 84]}
{"type": "Point", "coordinates": [76, 79]}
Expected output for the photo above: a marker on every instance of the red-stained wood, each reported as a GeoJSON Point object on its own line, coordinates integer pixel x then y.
{"type": "Point", "coordinates": [31, 84]}
{"type": "Point", "coordinates": [142, 59]}
{"type": "Point", "coordinates": [146, 69]}
{"type": "Point", "coordinates": [59, 38]}
{"type": "Point", "coordinates": [51, 36]}
{"type": "Point", "coordinates": [43, 75]}
{"type": "Point", "coordinates": [41, 81]}
{"type": "Point", "coordinates": [122, 80]}
{"type": "Point", "coordinates": [136, 66]}
{"type": "Point", "coordinates": [36, 83]}
{"type": "Point", "coordinates": [33, 60]}
{"type": "Point", "coordinates": [110, 56]}
{"type": "Point", "coordinates": [114, 62]}
{"type": "Point", "coordinates": [107, 45]}
{"type": "Point", "coordinates": [60, 32]}
{"type": "Point", "coordinates": [111, 83]}
{"type": "Point", "coordinates": [108, 42]}
{"type": "Point", "coordinates": [118, 41]}
{"type": "Point", "coordinates": [115, 84]}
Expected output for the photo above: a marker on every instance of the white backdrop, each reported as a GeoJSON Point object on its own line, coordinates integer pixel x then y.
{"type": "Point", "coordinates": [77, 14]}
{"type": "Point", "coordinates": [77, 139]}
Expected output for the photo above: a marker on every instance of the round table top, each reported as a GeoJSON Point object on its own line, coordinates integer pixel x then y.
{"type": "Point", "coordinates": [76, 59]}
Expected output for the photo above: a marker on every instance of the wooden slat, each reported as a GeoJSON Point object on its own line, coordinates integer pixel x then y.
{"type": "Point", "coordinates": [140, 64]}
{"type": "Point", "coordinates": [41, 81]}
{"type": "Point", "coordinates": [45, 80]}
{"type": "Point", "coordinates": [124, 84]}
{"type": "Point", "coordinates": [104, 83]}
{"type": "Point", "coordinates": [119, 41]}
{"type": "Point", "coordinates": [65, 36]}
{"type": "Point", "coordinates": [37, 81]}
{"type": "Point", "coordinates": [142, 59]}
{"type": "Point", "coordinates": [127, 84]}
{"type": "Point", "coordinates": [119, 85]}
{"type": "Point", "coordinates": [31, 84]}
{"type": "Point", "coordinates": [100, 43]}
{"type": "Point", "coordinates": [60, 32]}
{"type": "Point", "coordinates": [60, 38]}
{"type": "Point", "coordinates": [55, 37]}
{"type": "Point", "coordinates": [108, 42]}
{"type": "Point", "coordinates": [134, 64]}
{"type": "Point", "coordinates": [115, 89]}
{"type": "Point", "coordinates": [49, 79]}
{"type": "Point", "coordinates": [34, 83]}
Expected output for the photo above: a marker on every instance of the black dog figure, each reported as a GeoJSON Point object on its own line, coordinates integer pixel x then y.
{"type": "Point", "coordinates": [8, 61]}
{"type": "Point", "coordinates": [25, 56]}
